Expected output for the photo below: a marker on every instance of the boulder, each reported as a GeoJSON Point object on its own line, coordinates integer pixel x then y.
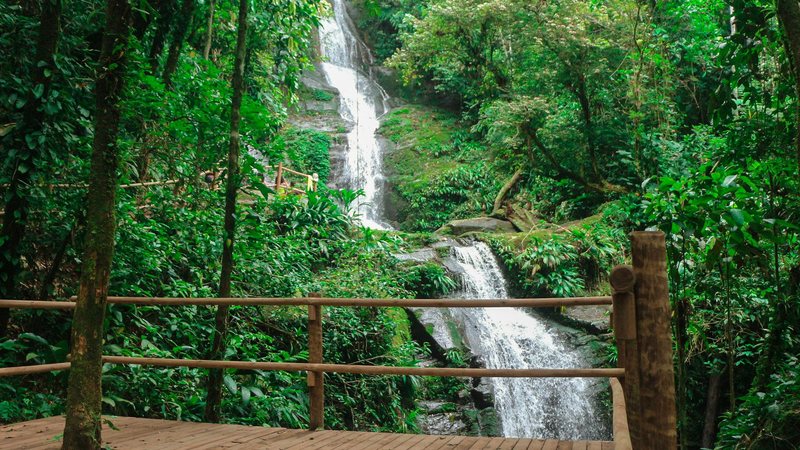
{"type": "Point", "coordinates": [478, 224]}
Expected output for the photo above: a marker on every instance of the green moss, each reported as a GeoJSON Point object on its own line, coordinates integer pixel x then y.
{"type": "Point", "coordinates": [437, 170]}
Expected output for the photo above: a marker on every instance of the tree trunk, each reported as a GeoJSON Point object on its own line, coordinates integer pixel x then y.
{"type": "Point", "coordinates": [165, 9]}
{"type": "Point", "coordinates": [497, 208]}
{"type": "Point", "coordinates": [209, 28]}
{"type": "Point", "coordinates": [712, 406]}
{"type": "Point", "coordinates": [15, 212]}
{"type": "Point", "coordinates": [214, 396]}
{"type": "Point", "coordinates": [184, 19]}
{"type": "Point", "coordinates": [84, 392]}
{"type": "Point", "coordinates": [789, 16]}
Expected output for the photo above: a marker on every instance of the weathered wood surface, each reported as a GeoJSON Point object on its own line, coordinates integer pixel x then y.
{"type": "Point", "coordinates": [139, 434]}
{"type": "Point", "coordinates": [316, 379]}
{"type": "Point", "coordinates": [623, 281]}
{"type": "Point", "coordinates": [656, 427]}
{"type": "Point", "coordinates": [355, 302]}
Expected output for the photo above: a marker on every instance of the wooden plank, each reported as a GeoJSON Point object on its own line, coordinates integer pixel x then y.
{"type": "Point", "coordinates": [607, 446]}
{"type": "Point", "coordinates": [314, 439]}
{"type": "Point", "coordinates": [35, 434]}
{"type": "Point", "coordinates": [398, 441]}
{"type": "Point", "coordinates": [291, 437]}
{"type": "Point", "coordinates": [250, 440]}
{"type": "Point", "coordinates": [580, 445]}
{"type": "Point", "coordinates": [440, 442]}
{"type": "Point", "coordinates": [131, 430]}
{"type": "Point", "coordinates": [359, 437]}
{"type": "Point", "coordinates": [494, 443]}
{"type": "Point", "coordinates": [550, 444]}
{"type": "Point", "coordinates": [374, 440]}
{"type": "Point", "coordinates": [595, 445]}
{"type": "Point", "coordinates": [480, 443]}
{"type": "Point", "coordinates": [192, 436]}
{"type": "Point", "coordinates": [369, 370]}
{"type": "Point", "coordinates": [415, 442]}
{"type": "Point", "coordinates": [536, 444]}
{"type": "Point", "coordinates": [521, 444]}
{"type": "Point", "coordinates": [564, 445]}
{"type": "Point", "coordinates": [338, 439]}
{"type": "Point", "coordinates": [508, 444]}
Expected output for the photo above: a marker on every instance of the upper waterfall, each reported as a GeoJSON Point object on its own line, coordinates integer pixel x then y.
{"type": "Point", "coordinates": [363, 101]}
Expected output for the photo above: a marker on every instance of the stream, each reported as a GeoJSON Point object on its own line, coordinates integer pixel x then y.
{"type": "Point", "coordinates": [500, 337]}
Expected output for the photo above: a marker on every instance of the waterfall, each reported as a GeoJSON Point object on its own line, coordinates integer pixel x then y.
{"type": "Point", "coordinates": [363, 101]}
{"type": "Point", "coordinates": [503, 337]}
{"type": "Point", "coordinates": [560, 408]}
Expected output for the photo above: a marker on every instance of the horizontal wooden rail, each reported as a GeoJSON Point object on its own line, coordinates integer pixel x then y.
{"type": "Point", "coordinates": [622, 435]}
{"type": "Point", "coordinates": [363, 302]}
{"type": "Point", "coordinates": [369, 302]}
{"type": "Point", "coordinates": [369, 370]}
{"type": "Point", "coordinates": [27, 370]}
{"type": "Point", "coordinates": [36, 304]}
{"type": "Point", "coordinates": [85, 186]}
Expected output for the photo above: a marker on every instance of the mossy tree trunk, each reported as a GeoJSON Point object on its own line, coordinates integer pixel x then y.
{"type": "Point", "coordinates": [209, 29]}
{"type": "Point", "coordinates": [178, 38]}
{"type": "Point", "coordinates": [789, 15]}
{"type": "Point", "coordinates": [84, 393]}
{"type": "Point", "coordinates": [29, 150]}
{"type": "Point", "coordinates": [214, 397]}
{"type": "Point", "coordinates": [163, 22]}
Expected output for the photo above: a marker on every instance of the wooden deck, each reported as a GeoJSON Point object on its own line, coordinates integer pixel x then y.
{"type": "Point", "coordinates": [135, 434]}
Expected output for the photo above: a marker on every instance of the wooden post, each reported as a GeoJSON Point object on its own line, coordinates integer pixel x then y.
{"type": "Point", "coordinates": [315, 181]}
{"type": "Point", "coordinates": [657, 422]}
{"type": "Point", "coordinates": [316, 381]}
{"type": "Point", "coordinates": [624, 320]}
{"type": "Point", "coordinates": [279, 179]}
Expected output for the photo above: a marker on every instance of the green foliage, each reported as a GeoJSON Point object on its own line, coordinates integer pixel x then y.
{"type": "Point", "coordinates": [306, 148]}
{"type": "Point", "coordinates": [436, 169]}
{"type": "Point", "coordinates": [768, 418]}
{"type": "Point", "coordinates": [427, 280]}
{"type": "Point", "coordinates": [562, 264]}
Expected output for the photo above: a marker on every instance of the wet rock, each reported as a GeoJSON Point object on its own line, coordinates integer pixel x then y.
{"type": "Point", "coordinates": [478, 224]}
{"type": "Point", "coordinates": [482, 393]}
{"type": "Point", "coordinates": [422, 255]}
{"type": "Point", "coordinates": [483, 422]}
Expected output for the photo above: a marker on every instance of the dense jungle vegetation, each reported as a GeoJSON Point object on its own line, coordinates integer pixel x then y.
{"type": "Point", "coordinates": [575, 120]}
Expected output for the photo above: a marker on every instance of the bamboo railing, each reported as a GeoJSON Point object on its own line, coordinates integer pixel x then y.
{"type": "Point", "coordinates": [642, 383]}
{"type": "Point", "coordinates": [281, 185]}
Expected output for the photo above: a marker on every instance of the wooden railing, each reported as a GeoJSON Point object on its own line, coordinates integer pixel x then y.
{"type": "Point", "coordinates": [642, 384]}
{"type": "Point", "coordinates": [282, 185]}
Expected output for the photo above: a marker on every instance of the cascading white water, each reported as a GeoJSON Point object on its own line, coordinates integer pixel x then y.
{"type": "Point", "coordinates": [503, 337]}
{"type": "Point", "coordinates": [363, 101]}
{"type": "Point", "coordinates": [511, 338]}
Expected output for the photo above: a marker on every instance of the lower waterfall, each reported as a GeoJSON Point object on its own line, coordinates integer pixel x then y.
{"type": "Point", "coordinates": [562, 408]}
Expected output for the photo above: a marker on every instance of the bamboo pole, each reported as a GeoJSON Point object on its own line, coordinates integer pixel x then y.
{"type": "Point", "coordinates": [316, 379]}
{"type": "Point", "coordinates": [355, 302]}
{"type": "Point", "coordinates": [86, 186]}
{"type": "Point", "coordinates": [279, 178]}
{"type": "Point", "coordinates": [622, 437]}
{"type": "Point", "coordinates": [657, 423]}
{"type": "Point", "coordinates": [623, 281]}
{"type": "Point", "coordinates": [27, 370]}
{"type": "Point", "coordinates": [36, 304]}
{"type": "Point", "coordinates": [369, 370]}
{"type": "Point", "coordinates": [365, 302]}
